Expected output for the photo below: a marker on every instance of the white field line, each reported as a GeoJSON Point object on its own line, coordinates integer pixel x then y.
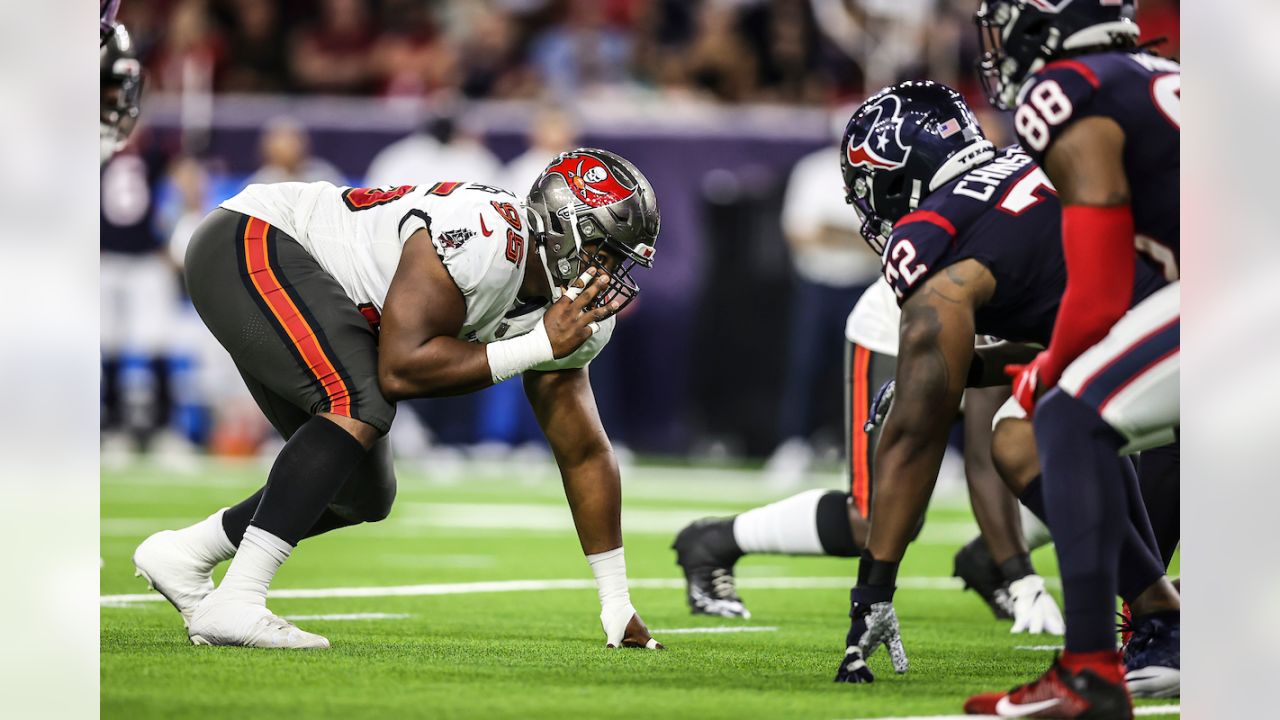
{"type": "Point", "coordinates": [506, 586]}
{"type": "Point", "coordinates": [1139, 711]}
{"type": "Point", "coordinates": [351, 616]}
{"type": "Point", "coordinates": [738, 629]}
{"type": "Point", "coordinates": [1037, 648]}
{"type": "Point", "coordinates": [416, 518]}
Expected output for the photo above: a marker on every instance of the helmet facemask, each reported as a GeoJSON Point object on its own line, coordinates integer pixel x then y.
{"type": "Point", "coordinates": [574, 236]}
{"type": "Point", "coordinates": [875, 229]}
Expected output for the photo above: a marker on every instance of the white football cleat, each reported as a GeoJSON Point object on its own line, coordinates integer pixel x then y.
{"type": "Point", "coordinates": [172, 569]}
{"type": "Point", "coordinates": [245, 624]}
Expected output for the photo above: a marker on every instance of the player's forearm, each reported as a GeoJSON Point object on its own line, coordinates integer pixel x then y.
{"type": "Point", "coordinates": [441, 366]}
{"type": "Point", "coordinates": [905, 470]}
{"type": "Point", "coordinates": [594, 490]}
{"type": "Point", "coordinates": [1098, 247]}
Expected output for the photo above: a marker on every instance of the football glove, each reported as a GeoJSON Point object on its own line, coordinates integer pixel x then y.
{"type": "Point", "coordinates": [1026, 382]}
{"type": "Point", "coordinates": [1034, 609]}
{"type": "Point", "coordinates": [873, 625]}
{"type": "Point", "coordinates": [880, 405]}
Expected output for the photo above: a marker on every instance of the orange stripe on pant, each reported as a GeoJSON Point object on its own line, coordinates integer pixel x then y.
{"type": "Point", "coordinates": [286, 313]}
{"type": "Point", "coordinates": [860, 467]}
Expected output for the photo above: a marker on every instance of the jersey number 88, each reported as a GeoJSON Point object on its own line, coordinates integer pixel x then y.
{"type": "Point", "coordinates": [1046, 105]}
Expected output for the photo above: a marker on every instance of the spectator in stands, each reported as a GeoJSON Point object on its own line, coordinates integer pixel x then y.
{"type": "Point", "coordinates": [286, 155]}
{"type": "Point", "coordinates": [491, 63]}
{"type": "Point", "coordinates": [411, 57]}
{"type": "Point", "coordinates": [581, 52]}
{"type": "Point", "coordinates": [333, 56]}
{"type": "Point", "coordinates": [718, 61]}
{"type": "Point", "coordinates": [258, 61]}
{"type": "Point", "coordinates": [833, 266]}
{"type": "Point", "coordinates": [444, 148]}
{"type": "Point", "coordinates": [552, 132]}
{"type": "Point", "coordinates": [191, 53]}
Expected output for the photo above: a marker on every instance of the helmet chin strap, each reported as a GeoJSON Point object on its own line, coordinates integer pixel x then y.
{"type": "Point", "coordinates": [555, 288]}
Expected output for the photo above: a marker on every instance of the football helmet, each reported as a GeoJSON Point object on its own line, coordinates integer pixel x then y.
{"type": "Point", "coordinates": [903, 143]}
{"type": "Point", "coordinates": [107, 10]}
{"type": "Point", "coordinates": [585, 199]}
{"type": "Point", "coordinates": [1018, 37]}
{"type": "Point", "coordinates": [121, 91]}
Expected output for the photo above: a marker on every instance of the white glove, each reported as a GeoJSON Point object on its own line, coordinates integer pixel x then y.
{"type": "Point", "coordinates": [1034, 609]}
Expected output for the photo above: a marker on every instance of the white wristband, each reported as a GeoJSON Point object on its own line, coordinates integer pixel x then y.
{"type": "Point", "coordinates": [508, 358]}
{"type": "Point", "coordinates": [610, 570]}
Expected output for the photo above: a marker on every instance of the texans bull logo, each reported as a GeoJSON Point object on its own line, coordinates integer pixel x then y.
{"type": "Point", "coordinates": [875, 143]}
{"type": "Point", "coordinates": [590, 180]}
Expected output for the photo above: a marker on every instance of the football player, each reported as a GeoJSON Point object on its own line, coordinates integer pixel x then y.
{"type": "Point", "coordinates": [834, 522]}
{"type": "Point", "coordinates": [1101, 115]}
{"type": "Point", "coordinates": [336, 302]}
{"type": "Point", "coordinates": [969, 237]}
{"type": "Point", "coordinates": [121, 82]}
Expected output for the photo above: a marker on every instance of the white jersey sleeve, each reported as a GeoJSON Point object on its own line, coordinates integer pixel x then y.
{"type": "Point", "coordinates": [874, 321]}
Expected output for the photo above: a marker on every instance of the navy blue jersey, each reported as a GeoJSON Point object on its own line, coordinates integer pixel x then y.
{"type": "Point", "coordinates": [1141, 92]}
{"type": "Point", "coordinates": [129, 182]}
{"type": "Point", "coordinates": [1006, 215]}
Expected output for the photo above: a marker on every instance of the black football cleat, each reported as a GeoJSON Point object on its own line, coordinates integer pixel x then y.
{"type": "Point", "coordinates": [974, 566]}
{"type": "Point", "coordinates": [1153, 657]}
{"type": "Point", "coordinates": [1059, 693]}
{"type": "Point", "coordinates": [706, 551]}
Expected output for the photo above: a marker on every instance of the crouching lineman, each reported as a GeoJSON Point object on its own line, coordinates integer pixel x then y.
{"type": "Point", "coordinates": [970, 245]}
{"type": "Point", "coordinates": [336, 302]}
{"type": "Point", "coordinates": [997, 564]}
{"type": "Point", "coordinates": [1101, 115]}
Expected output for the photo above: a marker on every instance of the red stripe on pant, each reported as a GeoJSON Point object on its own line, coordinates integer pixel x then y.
{"type": "Point", "coordinates": [286, 313]}
{"type": "Point", "coordinates": [860, 467]}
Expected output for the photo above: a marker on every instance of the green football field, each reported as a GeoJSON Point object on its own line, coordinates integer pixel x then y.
{"type": "Point", "coordinates": [473, 600]}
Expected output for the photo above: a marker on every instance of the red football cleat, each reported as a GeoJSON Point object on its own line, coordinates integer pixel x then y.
{"type": "Point", "coordinates": [1061, 693]}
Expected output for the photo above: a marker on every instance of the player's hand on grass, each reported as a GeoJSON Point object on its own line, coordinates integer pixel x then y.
{"type": "Point", "coordinates": [624, 628]}
{"type": "Point", "coordinates": [873, 625]}
{"type": "Point", "coordinates": [1034, 609]}
{"type": "Point", "coordinates": [573, 319]}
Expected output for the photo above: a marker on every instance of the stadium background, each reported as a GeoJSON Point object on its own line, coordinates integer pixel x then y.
{"type": "Point", "coordinates": [716, 101]}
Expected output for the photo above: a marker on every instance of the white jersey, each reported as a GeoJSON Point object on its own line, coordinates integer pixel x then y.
{"type": "Point", "coordinates": [874, 321]}
{"type": "Point", "coordinates": [357, 235]}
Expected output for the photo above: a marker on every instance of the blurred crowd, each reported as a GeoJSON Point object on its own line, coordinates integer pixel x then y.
{"type": "Point", "coordinates": [168, 387]}
{"type": "Point", "coordinates": [785, 51]}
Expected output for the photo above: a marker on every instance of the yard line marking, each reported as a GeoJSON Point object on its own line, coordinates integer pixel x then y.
{"type": "Point", "coordinates": [352, 616]}
{"type": "Point", "coordinates": [1038, 648]}
{"type": "Point", "coordinates": [722, 629]}
{"type": "Point", "coordinates": [1147, 710]}
{"type": "Point", "coordinates": [504, 586]}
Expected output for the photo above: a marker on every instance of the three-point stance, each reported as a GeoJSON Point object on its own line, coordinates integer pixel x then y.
{"type": "Point", "coordinates": [336, 302]}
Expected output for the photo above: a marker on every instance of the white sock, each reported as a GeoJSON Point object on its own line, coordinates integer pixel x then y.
{"type": "Point", "coordinates": [260, 555]}
{"type": "Point", "coordinates": [610, 570]}
{"type": "Point", "coordinates": [208, 541]}
{"type": "Point", "coordinates": [789, 526]}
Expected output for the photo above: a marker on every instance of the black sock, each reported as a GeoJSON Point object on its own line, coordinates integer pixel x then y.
{"type": "Point", "coordinates": [1017, 567]}
{"type": "Point", "coordinates": [1084, 493]}
{"type": "Point", "coordinates": [834, 530]}
{"type": "Point", "coordinates": [306, 476]}
{"type": "Point", "coordinates": [1137, 565]}
{"type": "Point", "coordinates": [236, 519]}
{"type": "Point", "coordinates": [1159, 476]}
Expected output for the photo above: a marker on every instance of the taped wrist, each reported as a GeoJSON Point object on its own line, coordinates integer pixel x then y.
{"type": "Point", "coordinates": [508, 358]}
{"type": "Point", "coordinates": [610, 571]}
{"type": "Point", "coordinates": [877, 579]}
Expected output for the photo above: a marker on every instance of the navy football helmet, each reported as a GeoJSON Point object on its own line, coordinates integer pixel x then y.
{"type": "Point", "coordinates": [107, 10]}
{"type": "Point", "coordinates": [1018, 37]}
{"type": "Point", "coordinates": [121, 91]}
{"type": "Point", "coordinates": [903, 143]}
